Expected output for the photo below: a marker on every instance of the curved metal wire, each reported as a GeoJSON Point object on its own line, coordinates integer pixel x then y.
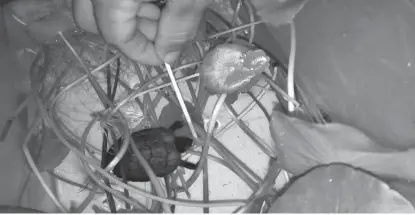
{"type": "Point", "coordinates": [49, 117]}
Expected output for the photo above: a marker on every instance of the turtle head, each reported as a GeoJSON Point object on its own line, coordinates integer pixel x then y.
{"type": "Point", "coordinates": [183, 143]}
{"type": "Point", "coordinates": [176, 126]}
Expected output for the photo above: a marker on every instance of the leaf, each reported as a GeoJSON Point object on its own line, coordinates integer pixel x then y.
{"type": "Point", "coordinates": [339, 188]}
{"type": "Point", "coordinates": [278, 12]}
{"type": "Point", "coordinates": [264, 195]}
{"type": "Point", "coordinates": [229, 68]}
{"type": "Point", "coordinates": [254, 81]}
{"type": "Point", "coordinates": [406, 188]}
{"type": "Point", "coordinates": [52, 151]}
{"type": "Point", "coordinates": [301, 145]}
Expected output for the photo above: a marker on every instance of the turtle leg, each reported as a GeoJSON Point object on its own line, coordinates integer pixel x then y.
{"type": "Point", "coordinates": [188, 165]}
{"type": "Point", "coordinates": [176, 125]}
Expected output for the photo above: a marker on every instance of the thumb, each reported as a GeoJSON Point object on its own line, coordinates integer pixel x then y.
{"type": "Point", "coordinates": [179, 23]}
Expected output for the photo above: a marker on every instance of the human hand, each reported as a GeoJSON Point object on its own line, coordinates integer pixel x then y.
{"type": "Point", "coordinates": [139, 29]}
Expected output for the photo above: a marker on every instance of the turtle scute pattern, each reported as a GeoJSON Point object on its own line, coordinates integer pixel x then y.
{"type": "Point", "coordinates": [157, 147]}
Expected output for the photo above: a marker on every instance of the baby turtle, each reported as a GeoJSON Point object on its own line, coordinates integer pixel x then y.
{"type": "Point", "coordinates": [160, 147]}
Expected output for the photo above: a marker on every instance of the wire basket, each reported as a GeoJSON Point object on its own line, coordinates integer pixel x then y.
{"type": "Point", "coordinates": [128, 97]}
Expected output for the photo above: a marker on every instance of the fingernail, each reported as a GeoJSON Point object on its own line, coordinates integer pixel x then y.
{"type": "Point", "coordinates": [171, 57]}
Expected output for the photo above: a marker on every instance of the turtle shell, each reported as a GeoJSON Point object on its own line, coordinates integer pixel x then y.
{"type": "Point", "coordinates": [158, 147]}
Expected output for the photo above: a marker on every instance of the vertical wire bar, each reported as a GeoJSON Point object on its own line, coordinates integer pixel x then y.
{"type": "Point", "coordinates": [181, 101]}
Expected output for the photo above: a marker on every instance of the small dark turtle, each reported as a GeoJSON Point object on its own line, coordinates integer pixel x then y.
{"type": "Point", "coordinates": [160, 147]}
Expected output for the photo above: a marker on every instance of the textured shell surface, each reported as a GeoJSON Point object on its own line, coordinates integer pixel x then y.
{"type": "Point", "coordinates": [157, 147]}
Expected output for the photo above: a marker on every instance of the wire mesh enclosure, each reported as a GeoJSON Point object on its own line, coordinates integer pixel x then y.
{"type": "Point", "coordinates": [89, 98]}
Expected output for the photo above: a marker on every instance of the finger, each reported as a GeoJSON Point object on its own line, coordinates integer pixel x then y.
{"type": "Point", "coordinates": [148, 28]}
{"type": "Point", "coordinates": [117, 22]}
{"type": "Point", "coordinates": [149, 11]}
{"type": "Point", "coordinates": [179, 22]}
{"type": "Point", "coordinates": [84, 16]}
